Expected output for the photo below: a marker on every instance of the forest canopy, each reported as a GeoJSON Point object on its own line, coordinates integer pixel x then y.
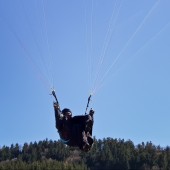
{"type": "Point", "coordinates": [107, 153]}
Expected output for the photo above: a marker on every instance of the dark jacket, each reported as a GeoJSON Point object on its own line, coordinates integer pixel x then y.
{"type": "Point", "coordinates": [62, 124]}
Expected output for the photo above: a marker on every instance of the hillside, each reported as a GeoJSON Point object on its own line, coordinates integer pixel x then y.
{"type": "Point", "coordinates": [107, 153]}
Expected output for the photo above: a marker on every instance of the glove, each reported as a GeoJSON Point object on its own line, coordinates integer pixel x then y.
{"type": "Point", "coordinates": [91, 112]}
{"type": "Point", "coordinates": [56, 105]}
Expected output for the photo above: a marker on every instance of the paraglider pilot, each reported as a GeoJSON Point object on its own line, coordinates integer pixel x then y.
{"type": "Point", "coordinates": [74, 131]}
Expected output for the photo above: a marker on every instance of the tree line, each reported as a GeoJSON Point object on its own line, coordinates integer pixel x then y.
{"type": "Point", "coordinates": [107, 153]}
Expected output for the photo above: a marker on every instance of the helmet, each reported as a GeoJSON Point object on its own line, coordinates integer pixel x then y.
{"type": "Point", "coordinates": [67, 112]}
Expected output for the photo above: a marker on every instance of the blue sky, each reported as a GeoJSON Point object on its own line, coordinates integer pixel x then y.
{"type": "Point", "coordinates": [121, 48]}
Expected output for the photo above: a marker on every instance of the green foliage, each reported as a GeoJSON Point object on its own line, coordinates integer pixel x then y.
{"type": "Point", "coordinates": [106, 154]}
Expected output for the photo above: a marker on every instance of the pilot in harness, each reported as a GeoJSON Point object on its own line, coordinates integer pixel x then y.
{"type": "Point", "coordinates": [75, 131]}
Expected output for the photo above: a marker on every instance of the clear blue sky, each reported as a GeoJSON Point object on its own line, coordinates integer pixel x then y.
{"type": "Point", "coordinates": [123, 45]}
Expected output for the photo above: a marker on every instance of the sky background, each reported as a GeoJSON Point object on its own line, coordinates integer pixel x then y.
{"type": "Point", "coordinates": [121, 48]}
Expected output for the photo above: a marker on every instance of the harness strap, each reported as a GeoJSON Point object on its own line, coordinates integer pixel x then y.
{"type": "Point", "coordinates": [53, 93]}
{"type": "Point", "coordinates": [88, 103]}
